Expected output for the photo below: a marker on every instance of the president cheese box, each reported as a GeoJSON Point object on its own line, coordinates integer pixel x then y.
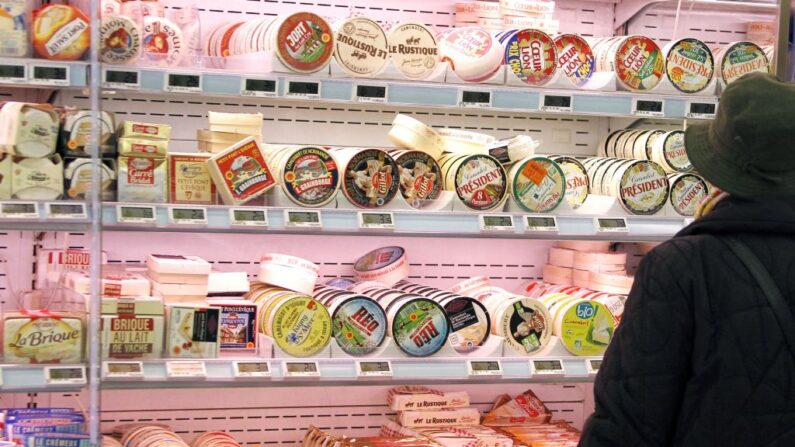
{"type": "Point", "coordinates": [439, 418]}
{"type": "Point", "coordinates": [132, 328]}
{"type": "Point", "coordinates": [42, 337]}
{"type": "Point", "coordinates": [422, 398]}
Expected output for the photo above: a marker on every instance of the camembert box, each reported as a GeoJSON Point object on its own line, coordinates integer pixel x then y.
{"type": "Point", "coordinates": [42, 337]}
{"type": "Point", "coordinates": [439, 418]}
{"type": "Point", "coordinates": [238, 325]}
{"type": "Point", "coordinates": [132, 328]}
{"type": "Point", "coordinates": [193, 331]}
{"type": "Point", "coordinates": [422, 398]}
{"type": "Point", "coordinates": [113, 283]}
{"type": "Point", "coordinates": [240, 172]}
{"type": "Point", "coordinates": [178, 264]}
{"type": "Point", "coordinates": [37, 178]}
{"type": "Point", "coordinates": [189, 180]}
{"type": "Point", "coordinates": [145, 130]}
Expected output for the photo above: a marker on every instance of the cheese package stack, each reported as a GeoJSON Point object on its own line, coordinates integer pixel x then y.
{"type": "Point", "coordinates": [115, 283]}
{"type": "Point", "coordinates": [179, 278]}
{"type": "Point", "coordinates": [43, 427]}
{"type": "Point", "coordinates": [472, 435]}
{"type": "Point", "coordinates": [226, 129]}
{"type": "Point", "coordinates": [595, 270]}
{"type": "Point", "coordinates": [132, 328]}
{"type": "Point", "coordinates": [142, 166]}
{"type": "Point", "coordinates": [418, 406]}
{"type": "Point", "coordinates": [558, 434]}
{"type": "Point", "coordinates": [52, 265]}
{"type": "Point", "coordinates": [524, 409]}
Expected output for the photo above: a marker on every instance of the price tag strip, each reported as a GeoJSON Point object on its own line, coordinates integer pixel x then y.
{"type": "Point", "coordinates": [484, 367]}
{"type": "Point", "coordinates": [371, 93]}
{"type": "Point", "coordinates": [65, 375]}
{"type": "Point", "coordinates": [121, 78]}
{"type": "Point", "coordinates": [369, 220]}
{"type": "Point", "coordinates": [593, 365]}
{"type": "Point", "coordinates": [557, 103]}
{"type": "Point", "coordinates": [302, 219]}
{"type": "Point", "coordinates": [60, 210]}
{"type": "Point", "coordinates": [303, 89]}
{"type": "Point", "coordinates": [546, 224]}
{"type": "Point", "coordinates": [258, 88]}
{"type": "Point", "coordinates": [611, 225]}
{"type": "Point", "coordinates": [186, 370]}
{"type": "Point", "coordinates": [496, 223]}
{"type": "Point", "coordinates": [477, 99]}
{"type": "Point", "coordinates": [187, 215]}
{"type": "Point", "coordinates": [13, 73]}
{"type": "Point", "coordinates": [701, 110]}
{"type": "Point", "coordinates": [547, 367]}
{"type": "Point", "coordinates": [250, 369]}
{"type": "Point", "coordinates": [136, 214]}
{"type": "Point", "coordinates": [373, 368]}
{"type": "Point", "coordinates": [292, 370]}
{"type": "Point", "coordinates": [19, 210]}
{"type": "Point", "coordinates": [248, 217]}
{"type": "Point", "coordinates": [648, 107]}
{"type": "Point", "coordinates": [183, 83]}
{"type": "Point", "coordinates": [56, 75]}
{"type": "Point", "coordinates": [123, 370]}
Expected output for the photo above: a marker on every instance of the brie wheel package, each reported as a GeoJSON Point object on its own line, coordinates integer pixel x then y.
{"type": "Point", "coordinates": [360, 47]}
{"type": "Point", "coordinates": [193, 331]}
{"type": "Point", "coordinates": [42, 337]}
{"type": "Point", "coordinates": [28, 130]}
{"type": "Point", "coordinates": [61, 32]}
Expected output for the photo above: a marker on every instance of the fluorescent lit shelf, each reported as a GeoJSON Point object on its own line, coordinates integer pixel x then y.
{"type": "Point", "coordinates": [41, 377]}
{"type": "Point", "coordinates": [31, 215]}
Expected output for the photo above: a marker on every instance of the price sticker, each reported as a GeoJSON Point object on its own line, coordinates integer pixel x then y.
{"type": "Point", "coordinates": [300, 369]}
{"type": "Point", "coordinates": [371, 93]}
{"type": "Point", "coordinates": [648, 107]}
{"type": "Point", "coordinates": [60, 210]}
{"type": "Point", "coordinates": [302, 219]}
{"type": "Point", "coordinates": [248, 217]}
{"type": "Point", "coordinates": [57, 75]}
{"type": "Point", "coordinates": [611, 225]}
{"type": "Point", "coordinates": [183, 83]}
{"type": "Point", "coordinates": [251, 369]}
{"type": "Point", "coordinates": [373, 368]}
{"type": "Point", "coordinates": [376, 221]}
{"type": "Point", "coordinates": [123, 370]}
{"type": "Point", "coordinates": [186, 370]}
{"type": "Point", "coordinates": [187, 216]}
{"type": "Point", "coordinates": [258, 88]}
{"type": "Point", "coordinates": [477, 99]}
{"type": "Point", "coordinates": [13, 73]}
{"type": "Point", "coordinates": [593, 365]}
{"type": "Point", "coordinates": [303, 89]}
{"type": "Point", "coordinates": [124, 79]}
{"type": "Point", "coordinates": [546, 224]}
{"type": "Point", "coordinates": [19, 210]}
{"type": "Point", "coordinates": [701, 110]}
{"type": "Point", "coordinates": [484, 367]}
{"type": "Point", "coordinates": [553, 367]}
{"type": "Point", "coordinates": [496, 222]}
{"type": "Point", "coordinates": [65, 375]}
{"type": "Point", "coordinates": [556, 103]}
{"type": "Point", "coordinates": [136, 214]}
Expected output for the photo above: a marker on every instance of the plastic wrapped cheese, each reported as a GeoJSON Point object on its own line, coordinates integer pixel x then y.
{"type": "Point", "coordinates": [42, 337]}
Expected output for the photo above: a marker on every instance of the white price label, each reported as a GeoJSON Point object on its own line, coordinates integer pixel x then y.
{"type": "Point", "coordinates": [248, 217]}
{"type": "Point", "coordinates": [701, 110]}
{"type": "Point", "coordinates": [477, 99]}
{"type": "Point", "coordinates": [13, 73]}
{"type": "Point", "coordinates": [183, 83]}
{"type": "Point", "coordinates": [373, 368]}
{"type": "Point", "coordinates": [19, 210]}
{"type": "Point", "coordinates": [55, 75]}
{"type": "Point", "coordinates": [371, 93]}
{"type": "Point", "coordinates": [593, 365]}
{"type": "Point", "coordinates": [258, 88]}
{"type": "Point", "coordinates": [550, 367]}
{"type": "Point", "coordinates": [302, 219]}
{"type": "Point", "coordinates": [121, 78]}
{"type": "Point", "coordinates": [136, 214]}
{"type": "Point", "coordinates": [123, 370]}
{"type": "Point", "coordinates": [303, 89]}
{"type": "Point", "coordinates": [557, 103]}
{"type": "Point", "coordinates": [611, 224]}
{"type": "Point", "coordinates": [546, 224]}
{"type": "Point", "coordinates": [300, 369]}
{"type": "Point", "coordinates": [65, 375]}
{"type": "Point", "coordinates": [496, 222]}
{"type": "Point", "coordinates": [186, 369]}
{"type": "Point", "coordinates": [376, 220]}
{"type": "Point", "coordinates": [484, 367]}
{"type": "Point", "coordinates": [648, 107]}
{"type": "Point", "coordinates": [61, 210]}
{"type": "Point", "coordinates": [245, 369]}
{"type": "Point", "coordinates": [178, 215]}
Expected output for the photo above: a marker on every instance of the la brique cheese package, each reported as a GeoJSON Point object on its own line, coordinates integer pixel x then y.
{"type": "Point", "coordinates": [420, 398]}
{"type": "Point", "coordinates": [114, 283]}
{"type": "Point", "coordinates": [193, 331]}
{"type": "Point", "coordinates": [132, 328]}
{"type": "Point", "coordinates": [240, 172]}
{"type": "Point", "coordinates": [439, 418]}
{"type": "Point", "coordinates": [42, 337]}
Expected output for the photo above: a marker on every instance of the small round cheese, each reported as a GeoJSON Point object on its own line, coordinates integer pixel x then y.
{"type": "Point", "coordinates": [642, 187]}
{"type": "Point", "coordinates": [638, 63]}
{"type": "Point", "coordinates": [689, 65]}
{"type": "Point", "coordinates": [537, 184]}
{"type": "Point", "coordinates": [741, 58]}
{"type": "Point", "coordinates": [303, 42]}
{"type": "Point", "coordinates": [470, 324]}
{"type": "Point", "coordinates": [301, 327]}
{"type": "Point", "coordinates": [586, 327]}
{"type": "Point", "coordinates": [524, 323]}
{"type": "Point", "coordinates": [418, 326]}
{"type": "Point", "coordinates": [360, 47]}
{"type": "Point", "coordinates": [577, 183]}
{"type": "Point", "coordinates": [472, 53]}
{"type": "Point", "coordinates": [61, 32]}
{"type": "Point", "coordinates": [385, 265]}
{"type": "Point", "coordinates": [687, 191]}
{"type": "Point", "coordinates": [163, 43]}
{"type": "Point", "coordinates": [478, 180]}
{"type": "Point", "coordinates": [420, 178]}
{"type": "Point", "coordinates": [669, 152]}
{"type": "Point", "coordinates": [120, 40]}
{"type": "Point", "coordinates": [413, 50]}
{"type": "Point", "coordinates": [359, 324]}
{"type": "Point", "coordinates": [531, 56]}
{"type": "Point", "coordinates": [370, 178]}
{"type": "Point", "coordinates": [309, 176]}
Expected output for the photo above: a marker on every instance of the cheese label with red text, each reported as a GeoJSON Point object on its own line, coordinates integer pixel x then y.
{"type": "Point", "coordinates": [531, 55]}
{"type": "Point", "coordinates": [480, 182]}
{"type": "Point", "coordinates": [370, 179]}
{"type": "Point", "coordinates": [311, 177]}
{"type": "Point", "coordinates": [639, 63]}
{"type": "Point", "coordinates": [687, 191]}
{"type": "Point", "coordinates": [120, 38]}
{"type": "Point", "coordinates": [420, 178]}
{"type": "Point", "coordinates": [304, 42]}
{"type": "Point", "coordinates": [643, 187]}
{"type": "Point", "coordinates": [575, 58]}
{"type": "Point", "coordinates": [359, 325]}
{"type": "Point", "coordinates": [538, 185]}
{"type": "Point", "coordinates": [420, 327]}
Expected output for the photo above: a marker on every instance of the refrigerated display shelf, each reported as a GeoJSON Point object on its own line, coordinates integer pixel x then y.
{"type": "Point", "coordinates": [42, 377]}
{"type": "Point", "coordinates": [63, 215]}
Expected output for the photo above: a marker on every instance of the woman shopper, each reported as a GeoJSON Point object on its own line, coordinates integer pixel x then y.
{"type": "Point", "coordinates": [705, 355]}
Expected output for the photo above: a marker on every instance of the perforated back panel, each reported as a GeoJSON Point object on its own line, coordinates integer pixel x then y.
{"type": "Point", "coordinates": [16, 266]}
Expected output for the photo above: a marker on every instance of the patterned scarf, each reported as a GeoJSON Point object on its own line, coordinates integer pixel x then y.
{"type": "Point", "coordinates": [708, 204]}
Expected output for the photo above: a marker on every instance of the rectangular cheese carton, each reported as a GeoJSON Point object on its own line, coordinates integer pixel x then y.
{"type": "Point", "coordinates": [178, 264]}
{"type": "Point", "coordinates": [165, 289]}
{"type": "Point", "coordinates": [142, 179]}
{"type": "Point", "coordinates": [214, 142]}
{"type": "Point", "coordinates": [189, 179]}
{"type": "Point", "coordinates": [132, 328]}
{"type": "Point", "coordinates": [178, 278]}
{"type": "Point", "coordinates": [76, 131]}
{"type": "Point", "coordinates": [142, 147]}
{"type": "Point", "coordinates": [37, 178]}
{"type": "Point", "coordinates": [51, 264]}
{"type": "Point", "coordinates": [422, 398]}
{"type": "Point", "coordinates": [240, 172]}
{"type": "Point", "coordinates": [439, 418]}
{"type": "Point", "coordinates": [114, 283]}
{"type": "Point", "coordinates": [227, 284]}
{"type": "Point", "coordinates": [43, 337]}
{"type": "Point", "coordinates": [524, 409]}
{"type": "Point", "coordinates": [241, 123]}
{"type": "Point", "coordinates": [132, 129]}
{"type": "Point", "coordinates": [238, 325]}
{"type": "Point", "coordinates": [193, 331]}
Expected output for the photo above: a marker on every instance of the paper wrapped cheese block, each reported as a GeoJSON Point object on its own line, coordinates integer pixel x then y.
{"type": "Point", "coordinates": [419, 397]}
{"type": "Point", "coordinates": [42, 337]}
{"type": "Point", "coordinates": [135, 129]}
{"type": "Point", "coordinates": [114, 283]}
{"type": "Point", "coordinates": [524, 409]}
{"type": "Point", "coordinates": [446, 417]}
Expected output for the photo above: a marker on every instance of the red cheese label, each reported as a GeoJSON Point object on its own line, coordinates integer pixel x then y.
{"type": "Point", "coordinates": [245, 172]}
{"type": "Point", "coordinates": [141, 171]}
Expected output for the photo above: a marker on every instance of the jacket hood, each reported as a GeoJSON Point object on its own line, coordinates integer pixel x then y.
{"type": "Point", "coordinates": [760, 214]}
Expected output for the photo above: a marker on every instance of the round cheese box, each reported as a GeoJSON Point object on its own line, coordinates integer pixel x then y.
{"type": "Point", "coordinates": [303, 41]}
{"type": "Point", "coordinates": [687, 191]}
{"type": "Point", "coordinates": [360, 47]}
{"type": "Point", "coordinates": [370, 178]}
{"type": "Point", "coordinates": [586, 327]}
{"type": "Point", "coordinates": [358, 324]}
{"type": "Point", "coordinates": [689, 65]}
{"type": "Point", "coordinates": [413, 50]}
{"type": "Point", "coordinates": [531, 55]}
{"type": "Point", "coordinates": [419, 326]}
{"type": "Point", "coordinates": [120, 39]}
{"type": "Point", "coordinates": [420, 179]}
{"type": "Point", "coordinates": [638, 63]}
{"type": "Point", "coordinates": [301, 326]}
{"type": "Point", "coordinates": [741, 58]}
{"type": "Point", "coordinates": [575, 58]}
{"type": "Point", "coordinates": [537, 184]}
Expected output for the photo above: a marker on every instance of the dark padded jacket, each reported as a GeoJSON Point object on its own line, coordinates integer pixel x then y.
{"type": "Point", "coordinates": [699, 359]}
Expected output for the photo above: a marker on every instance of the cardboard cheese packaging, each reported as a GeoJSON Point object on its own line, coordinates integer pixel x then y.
{"type": "Point", "coordinates": [28, 130]}
{"type": "Point", "coordinates": [51, 264]}
{"type": "Point", "coordinates": [77, 178]}
{"type": "Point", "coordinates": [132, 129]}
{"type": "Point", "coordinates": [178, 278]}
{"type": "Point", "coordinates": [178, 264]}
{"type": "Point", "coordinates": [227, 284]}
{"type": "Point", "coordinates": [238, 325]}
{"type": "Point", "coordinates": [439, 418]}
{"type": "Point", "coordinates": [37, 178]}
{"type": "Point", "coordinates": [193, 331]}
{"type": "Point", "coordinates": [249, 124]}
{"type": "Point", "coordinates": [114, 283]}
{"type": "Point", "coordinates": [176, 289]}
{"type": "Point", "coordinates": [189, 179]}
{"type": "Point", "coordinates": [215, 142]}
{"type": "Point", "coordinates": [76, 131]}
{"type": "Point", "coordinates": [142, 147]}
{"type": "Point", "coordinates": [5, 176]}
{"type": "Point", "coordinates": [132, 328]}
{"type": "Point", "coordinates": [420, 398]}
{"type": "Point", "coordinates": [142, 179]}
{"type": "Point", "coordinates": [42, 337]}
{"type": "Point", "coordinates": [524, 409]}
{"type": "Point", "coordinates": [240, 172]}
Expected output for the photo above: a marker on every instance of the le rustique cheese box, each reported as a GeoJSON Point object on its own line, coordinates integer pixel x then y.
{"type": "Point", "coordinates": [42, 337]}
{"type": "Point", "coordinates": [446, 417]}
{"type": "Point", "coordinates": [132, 328]}
{"type": "Point", "coordinates": [422, 398]}
{"type": "Point", "coordinates": [240, 172]}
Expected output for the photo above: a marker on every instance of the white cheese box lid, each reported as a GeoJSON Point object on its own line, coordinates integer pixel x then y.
{"type": "Point", "coordinates": [141, 305]}
{"type": "Point", "coordinates": [178, 264]}
{"type": "Point", "coordinates": [227, 284]}
{"type": "Point", "coordinates": [194, 290]}
{"type": "Point", "coordinates": [178, 278]}
{"type": "Point", "coordinates": [113, 283]}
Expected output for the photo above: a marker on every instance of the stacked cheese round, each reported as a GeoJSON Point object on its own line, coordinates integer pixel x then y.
{"type": "Point", "coordinates": [385, 265]}
{"type": "Point", "coordinates": [689, 65]}
{"type": "Point", "coordinates": [457, 141]}
{"type": "Point", "coordinates": [669, 152]}
{"type": "Point", "coordinates": [687, 191]}
{"type": "Point", "coordinates": [289, 272]}
{"type": "Point", "coordinates": [420, 178]}
{"type": "Point", "coordinates": [585, 327]}
{"type": "Point", "coordinates": [530, 55]}
{"type": "Point", "coordinates": [740, 58]}
{"type": "Point", "coordinates": [480, 181]}
{"type": "Point", "coordinates": [576, 59]}
{"type": "Point", "coordinates": [370, 176]}
{"type": "Point", "coordinates": [523, 322]}
{"type": "Point", "coordinates": [412, 134]}
{"type": "Point", "coordinates": [308, 175]}
{"type": "Point", "coordinates": [600, 271]}
{"type": "Point", "coordinates": [641, 186]}
{"type": "Point", "coordinates": [637, 61]}
{"type": "Point", "coordinates": [577, 184]}
{"type": "Point", "coordinates": [358, 323]}
{"type": "Point", "coordinates": [537, 184]}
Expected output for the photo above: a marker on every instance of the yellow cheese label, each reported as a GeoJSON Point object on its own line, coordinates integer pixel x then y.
{"type": "Point", "coordinates": [587, 328]}
{"type": "Point", "coordinates": [301, 327]}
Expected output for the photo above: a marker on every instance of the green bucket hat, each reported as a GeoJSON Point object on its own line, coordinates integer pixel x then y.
{"type": "Point", "coordinates": [749, 148]}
